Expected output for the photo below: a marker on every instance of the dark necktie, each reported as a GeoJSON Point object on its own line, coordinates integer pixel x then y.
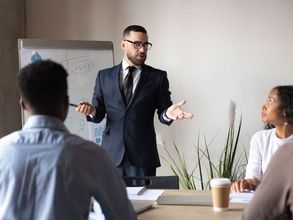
{"type": "Point", "coordinates": [128, 85]}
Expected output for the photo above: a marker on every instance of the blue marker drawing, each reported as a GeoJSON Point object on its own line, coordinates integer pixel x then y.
{"type": "Point", "coordinates": [99, 132]}
{"type": "Point", "coordinates": [35, 56]}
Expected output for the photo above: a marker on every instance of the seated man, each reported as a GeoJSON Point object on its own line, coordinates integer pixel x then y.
{"type": "Point", "coordinates": [46, 173]}
{"type": "Point", "coordinates": [273, 198]}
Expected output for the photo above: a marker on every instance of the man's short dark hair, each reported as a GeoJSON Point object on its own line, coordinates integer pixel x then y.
{"type": "Point", "coordinates": [43, 83]}
{"type": "Point", "coordinates": [135, 28]}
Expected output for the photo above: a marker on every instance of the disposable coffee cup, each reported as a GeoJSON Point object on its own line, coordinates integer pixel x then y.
{"type": "Point", "coordinates": [220, 193]}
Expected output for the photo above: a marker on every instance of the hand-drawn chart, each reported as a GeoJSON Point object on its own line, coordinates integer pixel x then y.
{"type": "Point", "coordinates": [82, 60]}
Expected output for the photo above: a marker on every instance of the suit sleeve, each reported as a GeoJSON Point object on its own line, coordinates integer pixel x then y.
{"type": "Point", "coordinates": [270, 200]}
{"type": "Point", "coordinates": [164, 99]}
{"type": "Point", "coordinates": [98, 101]}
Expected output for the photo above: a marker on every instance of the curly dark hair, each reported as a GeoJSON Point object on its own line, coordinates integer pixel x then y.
{"type": "Point", "coordinates": [285, 94]}
{"type": "Point", "coordinates": [43, 84]}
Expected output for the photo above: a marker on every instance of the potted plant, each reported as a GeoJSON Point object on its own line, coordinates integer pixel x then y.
{"type": "Point", "coordinates": [227, 165]}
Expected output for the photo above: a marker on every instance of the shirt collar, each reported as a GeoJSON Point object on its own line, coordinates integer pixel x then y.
{"type": "Point", "coordinates": [125, 65]}
{"type": "Point", "coordinates": [45, 121]}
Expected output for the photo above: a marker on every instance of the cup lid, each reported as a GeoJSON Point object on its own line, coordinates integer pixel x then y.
{"type": "Point", "coordinates": [220, 182]}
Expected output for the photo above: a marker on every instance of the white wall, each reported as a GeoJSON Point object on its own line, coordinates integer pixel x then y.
{"type": "Point", "coordinates": [213, 50]}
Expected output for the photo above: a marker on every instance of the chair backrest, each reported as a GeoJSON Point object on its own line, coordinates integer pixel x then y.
{"type": "Point", "coordinates": [153, 182]}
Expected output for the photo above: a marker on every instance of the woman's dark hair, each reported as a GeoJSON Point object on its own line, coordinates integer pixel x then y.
{"type": "Point", "coordinates": [285, 95]}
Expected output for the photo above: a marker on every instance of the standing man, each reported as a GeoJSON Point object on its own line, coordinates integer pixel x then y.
{"type": "Point", "coordinates": [129, 94]}
{"type": "Point", "coordinates": [46, 173]}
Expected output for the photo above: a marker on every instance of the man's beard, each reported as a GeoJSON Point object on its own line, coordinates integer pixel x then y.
{"type": "Point", "coordinates": [136, 61]}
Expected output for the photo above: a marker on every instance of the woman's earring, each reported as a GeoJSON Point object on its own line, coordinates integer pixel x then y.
{"type": "Point", "coordinates": [285, 120]}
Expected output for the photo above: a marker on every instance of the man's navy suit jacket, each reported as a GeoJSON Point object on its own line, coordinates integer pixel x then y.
{"type": "Point", "coordinates": [130, 129]}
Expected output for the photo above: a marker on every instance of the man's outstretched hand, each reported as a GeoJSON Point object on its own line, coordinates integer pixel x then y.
{"type": "Point", "coordinates": [176, 112]}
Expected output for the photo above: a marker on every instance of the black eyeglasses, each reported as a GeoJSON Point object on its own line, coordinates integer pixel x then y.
{"type": "Point", "coordinates": [138, 44]}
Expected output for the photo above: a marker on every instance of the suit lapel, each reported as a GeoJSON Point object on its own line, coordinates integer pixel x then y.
{"type": "Point", "coordinates": [140, 84]}
{"type": "Point", "coordinates": [116, 76]}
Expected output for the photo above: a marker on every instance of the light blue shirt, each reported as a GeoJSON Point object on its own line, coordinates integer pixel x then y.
{"type": "Point", "coordinates": [46, 173]}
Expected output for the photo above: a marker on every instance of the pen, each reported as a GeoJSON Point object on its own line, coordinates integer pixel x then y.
{"type": "Point", "coordinates": [73, 105]}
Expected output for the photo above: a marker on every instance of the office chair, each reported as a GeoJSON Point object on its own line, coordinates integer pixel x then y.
{"type": "Point", "coordinates": [153, 182]}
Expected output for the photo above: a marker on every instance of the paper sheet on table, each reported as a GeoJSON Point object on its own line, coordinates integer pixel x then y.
{"type": "Point", "coordinates": [97, 213]}
{"type": "Point", "coordinates": [135, 191]}
{"type": "Point", "coordinates": [241, 197]}
{"type": "Point", "coordinates": [149, 194]}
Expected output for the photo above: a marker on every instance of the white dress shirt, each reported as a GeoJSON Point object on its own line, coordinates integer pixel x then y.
{"type": "Point", "coordinates": [136, 74]}
{"type": "Point", "coordinates": [46, 173]}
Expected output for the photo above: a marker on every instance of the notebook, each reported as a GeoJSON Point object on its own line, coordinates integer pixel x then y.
{"type": "Point", "coordinates": [135, 191]}
{"type": "Point", "coordinates": [204, 200]}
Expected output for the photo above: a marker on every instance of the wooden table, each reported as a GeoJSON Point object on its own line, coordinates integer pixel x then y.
{"type": "Point", "coordinates": [191, 212]}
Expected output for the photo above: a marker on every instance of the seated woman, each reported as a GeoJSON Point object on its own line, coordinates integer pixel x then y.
{"type": "Point", "coordinates": [277, 111]}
